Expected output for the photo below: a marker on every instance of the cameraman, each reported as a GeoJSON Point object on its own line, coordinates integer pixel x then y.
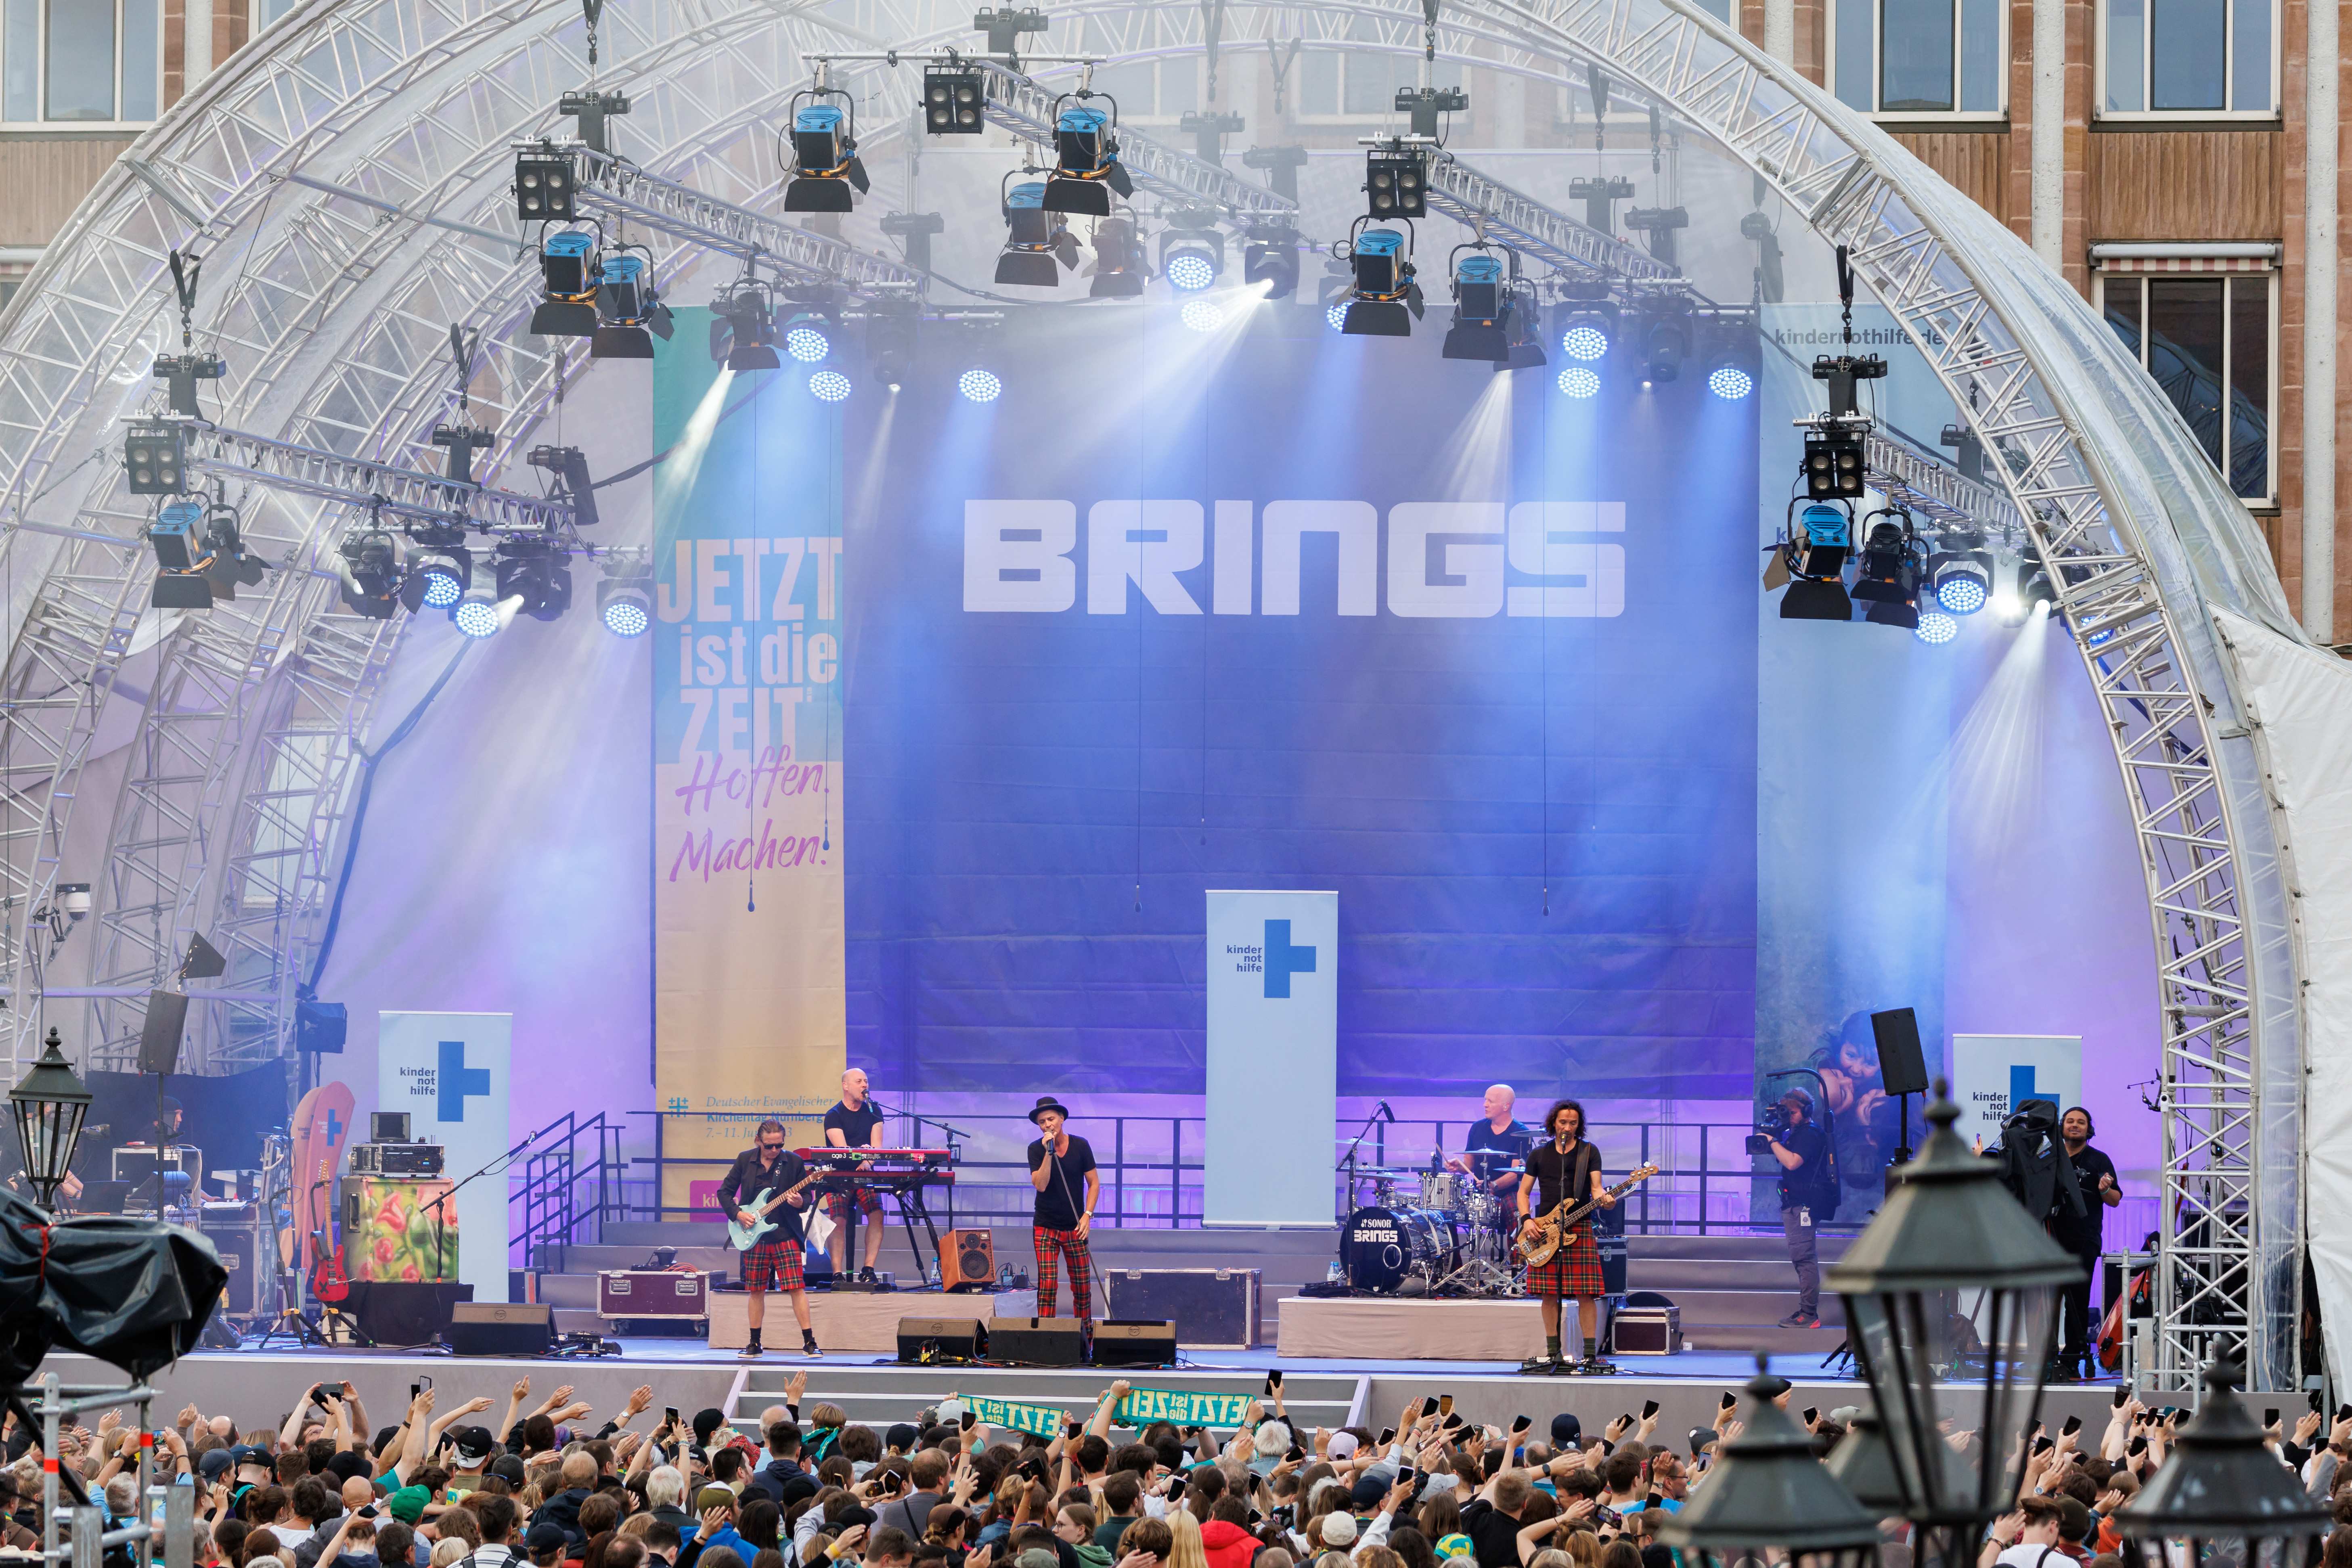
{"type": "Point", "coordinates": [1804, 1157]}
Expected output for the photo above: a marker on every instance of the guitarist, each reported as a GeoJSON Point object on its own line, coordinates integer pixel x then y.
{"type": "Point", "coordinates": [775, 1259]}
{"type": "Point", "coordinates": [1567, 1168]}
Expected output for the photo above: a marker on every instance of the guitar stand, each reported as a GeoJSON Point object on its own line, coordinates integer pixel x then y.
{"type": "Point", "coordinates": [296, 1327]}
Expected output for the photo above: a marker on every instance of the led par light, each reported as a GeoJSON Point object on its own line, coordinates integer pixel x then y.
{"type": "Point", "coordinates": [1394, 186]}
{"type": "Point", "coordinates": [954, 102]}
{"type": "Point", "coordinates": [1192, 259]}
{"type": "Point", "coordinates": [624, 599]}
{"type": "Point", "coordinates": [542, 185]}
{"type": "Point", "coordinates": [154, 459]}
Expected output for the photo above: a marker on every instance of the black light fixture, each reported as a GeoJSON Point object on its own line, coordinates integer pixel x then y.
{"type": "Point", "coordinates": [1035, 238]}
{"type": "Point", "coordinates": [1767, 1495]}
{"type": "Point", "coordinates": [825, 165]}
{"type": "Point", "coordinates": [891, 338]}
{"type": "Point", "coordinates": [1119, 268]}
{"type": "Point", "coordinates": [625, 598]}
{"type": "Point", "coordinates": [1951, 1294]}
{"type": "Point", "coordinates": [154, 459]}
{"type": "Point", "coordinates": [1834, 467]}
{"type": "Point", "coordinates": [1272, 259]}
{"type": "Point", "coordinates": [372, 574]}
{"type": "Point", "coordinates": [1394, 183]}
{"type": "Point", "coordinates": [1192, 252]}
{"type": "Point", "coordinates": [543, 187]}
{"type": "Point", "coordinates": [743, 328]}
{"type": "Point", "coordinates": [955, 99]}
{"type": "Point", "coordinates": [2220, 1488]}
{"type": "Point", "coordinates": [1665, 339]}
{"type": "Point", "coordinates": [538, 575]}
{"type": "Point", "coordinates": [49, 1103]}
{"type": "Point", "coordinates": [1814, 546]}
{"type": "Point", "coordinates": [1523, 326]}
{"type": "Point", "coordinates": [175, 536]}
{"type": "Point", "coordinates": [1887, 577]}
{"type": "Point", "coordinates": [230, 565]}
{"type": "Point", "coordinates": [629, 311]}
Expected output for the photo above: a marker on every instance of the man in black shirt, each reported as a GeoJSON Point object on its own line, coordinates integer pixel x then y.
{"type": "Point", "coordinates": [2084, 1235]}
{"type": "Point", "coordinates": [775, 1259]}
{"type": "Point", "coordinates": [1495, 1145]}
{"type": "Point", "coordinates": [1562, 1172]}
{"type": "Point", "coordinates": [1062, 1169]}
{"type": "Point", "coordinates": [853, 1124]}
{"type": "Point", "coordinates": [1804, 1157]}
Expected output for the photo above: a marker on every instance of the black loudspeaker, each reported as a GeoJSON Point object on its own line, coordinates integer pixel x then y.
{"type": "Point", "coordinates": [1036, 1341]}
{"type": "Point", "coordinates": [923, 1341]}
{"type": "Point", "coordinates": [498, 1328]}
{"type": "Point", "coordinates": [1900, 1064]}
{"type": "Point", "coordinates": [1135, 1343]}
{"type": "Point", "coordinates": [320, 1027]}
{"type": "Point", "coordinates": [396, 1312]}
{"type": "Point", "coordinates": [249, 1265]}
{"type": "Point", "coordinates": [159, 1037]}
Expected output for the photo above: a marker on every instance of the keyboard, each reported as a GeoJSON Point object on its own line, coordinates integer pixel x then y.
{"type": "Point", "coordinates": [879, 1161]}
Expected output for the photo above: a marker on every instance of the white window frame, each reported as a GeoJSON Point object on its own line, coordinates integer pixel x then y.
{"type": "Point", "coordinates": [1340, 49]}
{"type": "Point", "coordinates": [2099, 110]}
{"type": "Point", "coordinates": [2268, 277]}
{"type": "Point", "coordinates": [1997, 115]}
{"type": "Point", "coordinates": [42, 125]}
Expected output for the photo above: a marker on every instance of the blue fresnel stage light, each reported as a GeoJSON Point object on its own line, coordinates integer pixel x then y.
{"type": "Point", "coordinates": [1035, 239]}
{"type": "Point", "coordinates": [1384, 299]}
{"type": "Point", "coordinates": [1481, 329]}
{"type": "Point", "coordinates": [1813, 552]}
{"type": "Point", "coordinates": [825, 165]}
{"type": "Point", "coordinates": [1087, 169]}
{"type": "Point", "coordinates": [980, 385]}
{"type": "Point", "coordinates": [1578, 382]}
{"type": "Point", "coordinates": [829, 387]}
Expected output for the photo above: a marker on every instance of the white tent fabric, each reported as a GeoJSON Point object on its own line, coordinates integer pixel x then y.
{"type": "Point", "coordinates": [2298, 699]}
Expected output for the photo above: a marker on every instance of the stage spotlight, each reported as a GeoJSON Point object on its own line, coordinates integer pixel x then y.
{"type": "Point", "coordinates": [980, 385]}
{"type": "Point", "coordinates": [543, 184]}
{"type": "Point", "coordinates": [953, 101]}
{"type": "Point", "coordinates": [829, 387]}
{"type": "Point", "coordinates": [1335, 313]}
{"type": "Point", "coordinates": [567, 271]}
{"type": "Point", "coordinates": [743, 328]}
{"type": "Point", "coordinates": [1587, 328]}
{"type": "Point", "coordinates": [154, 459]}
{"type": "Point", "coordinates": [1665, 341]}
{"type": "Point", "coordinates": [890, 341]}
{"type": "Point", "coordinates": [1035, 241]}
{"type": "Point", "coordinates": [805, 339]}
{"type": "Point", "coordinates": [476, 614]}
{"type": "Point", "coordinates": [1578, 382]}
{"type": "Point", "coordinates": [1887, 575]}
{"type": "Point", "coordinates": [1190, 261]}
{"type": "Point", "coordinates": [2008, 603]}
{"type": "Point", "coordinates": [628, 310]}
{"type": "Point", "coordinates": [1385, 298]}
{"type": "Point", "coordinates": [1730, 383]}
{"type": "Point", "coordinates": [624, 599]}
{"type": "Point", "coordinates": [1086, 168]}
{"type": "Point", "coordinates": [826, 165]}
{"type": "Point", "coordinates": [1118, 269]}
{"type": "Point", "coordinates": [1523, 326]}
{"type": "Point", "coordinates": [1203, 315]}
{"type": "Point", "coordinates": [370, 574]}
{"type": "Point", "coordinates": [1273, 261]}
{"type": "Point", "coordinates": [1936, 627]}
{"type": "Point", "coordinates": [1813, 550]}
{"type": "Point", "coordinates": [1482, 308]}
{"type": "Point", "coordinates": [438, 575]}
{"type": "Point", "coordinates": [180, 558]}
{"type": "Point", "coordinates": [2036, 589]}
{"type": "Point", "coordinates": [228, 566]}
{"type": "Point", "coordinates": [1394, 186]}
{"type": "Point", "coordinates": [1834, 462]}
{"type": "Point", "coordinates": [1961, 577]}
{"type": "Point", "coordinates": [534, 572]}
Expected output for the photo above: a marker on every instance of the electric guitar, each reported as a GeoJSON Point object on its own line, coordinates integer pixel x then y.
{"type": "Point", "coordinates": [329, 1283]}
{"type": "Point", "coordinates": [744, 1233]}
{"type": "Point", "coordinates": [1543, 1233]}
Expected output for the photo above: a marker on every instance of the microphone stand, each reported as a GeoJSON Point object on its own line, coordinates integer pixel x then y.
{"type": "Point", "coordinates": [498, 1164]}
{"type": "Point", "coordinates": [1347, 1162]}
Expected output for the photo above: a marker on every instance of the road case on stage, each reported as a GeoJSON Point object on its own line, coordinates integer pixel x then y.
{"type": "Point", "coordinates": [1213, 1308]}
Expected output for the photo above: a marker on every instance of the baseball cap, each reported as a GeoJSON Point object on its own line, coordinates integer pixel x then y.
{"type": "Point", "coordinates": [509, 1467]}
{"type": "Point", "coordinates": [407, 1504]}
{"type": "Point", "coordinates": [1454, 1546]}
{"type": "Point", "coordinates": [1343, 1445]}
{"type": "Point", "coordinates": [1338, 1529]}
{"type": "Point", "coordinates": [214, 1464]}
{"type": "Point", "coordinates": [902, 1434]}
{"type": "Point", "coordinates": [1367, 1492]}
{"type": "Point", "coordinates": [548, 1536]}
{"type": "Point", "coordinates": [249, 1454]}
{"type": "Point", "coordinates": [713, 1496]}
{"type": "Point", "coordinates": [1567, 1431]}
{"type": "Point", "coordinates": [474, 1444]}
{"type": "Point", "coordinates": [1701, 1440]}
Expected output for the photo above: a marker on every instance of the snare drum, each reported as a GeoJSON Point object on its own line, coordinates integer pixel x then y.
{"type": "Point", "coordinates": [1446, 1190]}
{"type": "Point", "coordinates": [1384, 1249]}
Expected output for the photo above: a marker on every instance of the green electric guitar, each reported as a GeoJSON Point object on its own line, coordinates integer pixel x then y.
{"type": "Point", "coordinates": [753, 1225]}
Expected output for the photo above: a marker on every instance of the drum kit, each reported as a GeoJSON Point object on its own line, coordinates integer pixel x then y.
{"type": "Point", "coordinates": [1432, 1233]}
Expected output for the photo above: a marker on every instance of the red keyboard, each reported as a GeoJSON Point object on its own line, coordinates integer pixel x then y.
{"type": "Point", "coordinates": [878, 1161]}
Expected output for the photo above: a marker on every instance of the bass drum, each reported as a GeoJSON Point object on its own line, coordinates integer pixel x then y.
{"type": "Point", "coordinates": [1385, 1250]}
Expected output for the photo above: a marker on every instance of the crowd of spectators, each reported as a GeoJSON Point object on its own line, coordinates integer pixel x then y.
{"type": "Point", "coordinates": [551, 1483]}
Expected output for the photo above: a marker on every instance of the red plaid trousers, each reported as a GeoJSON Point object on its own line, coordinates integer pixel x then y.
{"type": "Point", "coordinates": [1070, 1245]}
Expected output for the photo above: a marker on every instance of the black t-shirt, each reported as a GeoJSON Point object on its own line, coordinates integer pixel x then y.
{"type": "Point", "coordinates": [1065, 1197]}
{"type": "Point", "coordinates": [2088, 1232]}
{"type": "Point", "coordinates": [1492, 1152]}
{"type": "Point", "coordinates": [1808, 1183]}
{"type": "Point", "coordinates": [1494, 1534]}
{"type": "Point", "coordinates": [1557, 1175]}
{"type": "Point", "coordinates": [856, 1126]}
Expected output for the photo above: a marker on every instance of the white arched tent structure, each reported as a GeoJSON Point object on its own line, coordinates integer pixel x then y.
{"type": "Point", "coordinates": [346, 177]}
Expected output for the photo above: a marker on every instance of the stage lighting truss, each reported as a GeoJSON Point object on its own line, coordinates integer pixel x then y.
{"type": "Point", "coordinates": [1086, 170]}
{"type": "Point", "coordinates": [1813, 548]}
{"type": "Point", "coordinates": [823, 167]}
{"type": "Point", "coordinates": [1959, 573]}
{"type": "Point", "coordinates": [1271, 258]}
{"type": "Point", "coordinates": [629, 309]}
{"type": "Point", "coordinates": [1119, 266]}
{"type": "Point", "coordinates": [569, 264]}
{"type": "Point", "coordinates": [625, 595]}
{"type": "Point", "coordinates": [955, 101]}
{"type": "Point", "coordinates": [1192, 252]}
{"type": "Point", "coordinates": [543, 187]}
{"type": "Point", "coordinates": [1396, 183]}
{"type": "Point", "coordinates": [1893, 563]}
{"type": "Point", "coordinates": [1035, 237]}
{"type": "Point", "coordinates": [1481, 328]}
{"type": "Point", "coordinates": [1384, 300]}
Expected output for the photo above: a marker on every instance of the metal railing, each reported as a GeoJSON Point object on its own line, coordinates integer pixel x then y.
{"type": "Point", "coordinates": [562, 1188]}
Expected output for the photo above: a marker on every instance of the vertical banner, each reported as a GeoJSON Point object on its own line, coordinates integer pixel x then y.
{"type": "Point", "coordinates": [322, 1125]}
{"type": "Point", "coordinates": [1991, 1074]}
{"type": "Point", "coordinates": [1273, 1057]}
{"type": "Point", "coordinates": [449, 1072]}
{"type": "Point", "coordinates": [749, 1011]}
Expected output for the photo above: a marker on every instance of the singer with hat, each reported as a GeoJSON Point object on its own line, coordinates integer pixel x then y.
{"type": "Point", "coordinates": [1062, 1169]}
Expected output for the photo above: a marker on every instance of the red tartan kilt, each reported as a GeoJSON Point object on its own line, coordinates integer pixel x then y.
{"type": "Point", "coordinates": [1573, 1270]}
{"type": "Point", "coordinates": [773, 1266]}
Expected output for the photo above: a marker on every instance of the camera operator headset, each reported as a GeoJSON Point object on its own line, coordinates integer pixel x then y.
{"type": "Point", "coordinates": [1808, 1192]}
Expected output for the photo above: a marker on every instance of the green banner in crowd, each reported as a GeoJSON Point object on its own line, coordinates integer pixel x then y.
{"type": "Point", "coordinates": [1144, 1405]}
{"type": "Point", "coordinates": [1042, 1419]}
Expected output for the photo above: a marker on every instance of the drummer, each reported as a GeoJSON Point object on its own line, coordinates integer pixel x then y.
{"type": "Point", "coordinates": [1496, 1151]}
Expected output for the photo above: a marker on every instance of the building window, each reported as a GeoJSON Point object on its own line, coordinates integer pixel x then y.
{"type": "Point", "coordinates": [1351, 85]}
{"type": "Point", "coordinates": [2210, 340]}
{"type": "Point", "coordinates": [79, 62]}
{"type": "Point", "coordinates": [1920, 56]}
{"type": "Point", "coordinates": [1152, 91]}
{"type": "Point", "coordinates": [2188, 56]}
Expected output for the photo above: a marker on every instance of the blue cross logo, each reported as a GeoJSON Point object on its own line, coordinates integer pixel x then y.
{"type": "Point", "coordinates": [334, 1128]}
{"type": "Point", "coordinates": [2020, 1084]}
{"type": "Point", "coordinates": [1282, 960]}
{"type": "Point", "coordinates": [456, 1080]}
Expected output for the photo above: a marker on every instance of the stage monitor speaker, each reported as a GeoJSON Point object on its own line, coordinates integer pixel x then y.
{"type": "Point", "coordinates": [159, 1037]}
{"type": "Point", "coordinates": [1036, 1341]}
{"type": "Point", "coordinates": [1900, 1065]}
{"type": "Point", "coordinates": [243, 1254]}
{"type": "Point", "coordinates": [399, 1312]}
{"type": "Point", "coordinates": [923, 1341]}
{"type": "Point", "coordinates": [320, 1027]}
{"type": "Point", "coordinates": [1128, 1342]}
{"type": "Point", "coordinates": [388, 1127]}
{"type": "Point", "coordinates": [498, 1328]}
{"type": "Point", "coordinates": [968, 1261]}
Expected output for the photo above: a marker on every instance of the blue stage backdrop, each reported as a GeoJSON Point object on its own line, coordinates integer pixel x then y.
{"type": "Point", "coordinates": [1270, 608]}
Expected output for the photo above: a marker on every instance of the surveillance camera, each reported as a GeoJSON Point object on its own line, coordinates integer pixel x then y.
{"type": "Point", "coordinates": [73, 899]}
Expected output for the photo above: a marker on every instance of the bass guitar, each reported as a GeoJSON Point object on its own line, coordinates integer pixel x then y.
{"type": "Point", "coordinates": [1543, 1233]}
{"type": "Point", "coordinates": [746, 1232]}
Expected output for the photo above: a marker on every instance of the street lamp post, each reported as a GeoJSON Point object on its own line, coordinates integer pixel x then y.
{"type": "Point", "coordinates": [2221, 1494]}
{"type": "Point", "coordinates": [1767, 1500]}
{"type": "Point", "coordinates": [48, 1104]}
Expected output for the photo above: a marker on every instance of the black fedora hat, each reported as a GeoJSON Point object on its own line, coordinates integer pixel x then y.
{"type": "Point", "coordinates": [1046, 1102]}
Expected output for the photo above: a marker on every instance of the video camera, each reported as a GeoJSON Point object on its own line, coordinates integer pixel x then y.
{"type": "Point", "coordinates": [1770, 1123]}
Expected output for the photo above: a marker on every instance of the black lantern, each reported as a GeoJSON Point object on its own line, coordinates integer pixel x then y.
{"type": "Point", "coordinates": [1953, 1283]}
{"type": "Point", "coordinates": [1766, 1494]}
{"type": "Point", "coordinates": [49, 1103]}
{"type": "Point", "coordinates": [2223, 1494]}
{"type": "Point", "coordinates": [1865, 1466]}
